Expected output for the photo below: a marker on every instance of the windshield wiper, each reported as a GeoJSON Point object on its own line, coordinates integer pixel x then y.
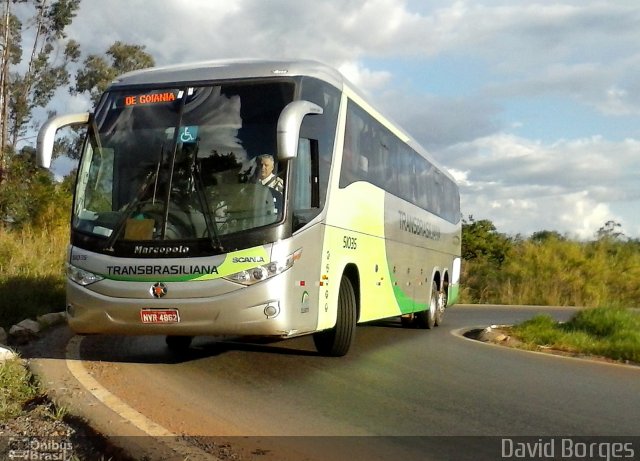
{"type": "Point", "coordinates": [198, 184]}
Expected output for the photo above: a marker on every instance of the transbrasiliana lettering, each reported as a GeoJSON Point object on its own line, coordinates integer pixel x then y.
{"type": "Point", "coordinates": [148, 269]}
{"type": "Point", "coordinates": [418, 227]}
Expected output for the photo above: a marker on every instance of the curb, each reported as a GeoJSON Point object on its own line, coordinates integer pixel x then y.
{"type": "Point", "coordinates": [26, 331]}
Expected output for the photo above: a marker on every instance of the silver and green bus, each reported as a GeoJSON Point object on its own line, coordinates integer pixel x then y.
{"type": "Point", "coordinates": [175, 231]}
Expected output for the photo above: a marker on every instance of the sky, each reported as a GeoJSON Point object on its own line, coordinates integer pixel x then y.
{"type": "Point", "coordinates": [534, 107]}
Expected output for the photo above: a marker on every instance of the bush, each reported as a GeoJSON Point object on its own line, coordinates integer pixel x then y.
{"type": "Point", "coordinates": [548, 269]}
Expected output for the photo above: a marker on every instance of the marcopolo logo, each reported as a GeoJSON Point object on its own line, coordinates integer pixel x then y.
{"type": "Point", "coordinates": [162, 251]}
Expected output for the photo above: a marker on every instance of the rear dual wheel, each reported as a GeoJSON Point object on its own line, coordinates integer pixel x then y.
{"type": "Point", "coordinates": [427, 318]}
{"type": "Point", "coordinates": [441, 306]}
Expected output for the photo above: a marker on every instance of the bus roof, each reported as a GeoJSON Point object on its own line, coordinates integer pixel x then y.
{"type": "Point", "coordinates": [228, 70]}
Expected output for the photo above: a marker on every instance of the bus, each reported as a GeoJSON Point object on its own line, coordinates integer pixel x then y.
{"type": "Point", "coordinates": [176, 232]}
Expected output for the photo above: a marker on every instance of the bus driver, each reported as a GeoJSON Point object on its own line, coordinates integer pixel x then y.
{"type": "Point", "coordinates": [266, 177]}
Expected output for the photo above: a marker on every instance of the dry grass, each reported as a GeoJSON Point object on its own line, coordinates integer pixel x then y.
{"type": "Point", "coordinates": [31, 272]}
{"type": "Point", "coordinates": [557, 273]}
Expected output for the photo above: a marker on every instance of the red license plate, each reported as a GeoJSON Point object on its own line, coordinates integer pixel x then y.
{"type": "Point", "coordinates": [159, 316]}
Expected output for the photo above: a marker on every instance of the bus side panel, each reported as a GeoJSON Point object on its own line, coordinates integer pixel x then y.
{"type": "Point", "coordinates": [355, 235]}
{"type": "Point", "coordinates": [396, 247]}
{"type": "Point", "coordinates": [303, 294]}
{"type": "Point", "coordinates": [432, 243]}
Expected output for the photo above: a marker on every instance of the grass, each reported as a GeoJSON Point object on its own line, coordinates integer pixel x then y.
{"type": "Point", "coordinates": [603, 331]}
{"type": "Point", "coordinates": [31, 272]}
{"type": "Point", "coordinates": [17, 387]}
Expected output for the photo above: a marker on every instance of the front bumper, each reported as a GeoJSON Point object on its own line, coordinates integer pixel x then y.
{"type": "Point", "coordinates": [258, 310]}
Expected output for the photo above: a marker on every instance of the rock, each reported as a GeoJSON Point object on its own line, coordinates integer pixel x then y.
{"type": "Point", "coordinates": [54, 318]}
{"type": "Point", "coordinates": [6, 354]}
{"type": "Point", "coordinates": [485, 335]}
{"type": "Point", "coordinates": [3, 336]}
{"type": "Point", "coordinates": [492, 335]}
{"type": "Point", "coordinates": [24, 331]}
{"type": "Point", "coordinates": [28, 324]}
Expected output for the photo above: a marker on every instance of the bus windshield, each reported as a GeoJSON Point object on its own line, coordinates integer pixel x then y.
{"type": "Point", "coordinates": [182, 163]}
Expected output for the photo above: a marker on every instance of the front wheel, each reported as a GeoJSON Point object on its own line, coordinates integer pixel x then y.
{"type": "Point", "coordinates": [337, 341]}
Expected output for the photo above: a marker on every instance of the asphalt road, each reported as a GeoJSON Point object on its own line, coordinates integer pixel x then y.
{"type": "Point", "coordinates": [409, 387]}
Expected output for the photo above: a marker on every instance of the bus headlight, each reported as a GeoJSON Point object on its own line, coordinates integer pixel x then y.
{"type": "Point", "coordinates": [266, 271]}
{"type": "Point", "coordinates": [81, 276]}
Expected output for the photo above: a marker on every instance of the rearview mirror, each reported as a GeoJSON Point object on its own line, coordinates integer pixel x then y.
{"type": "Point", "coordinates": [289, 127]}
{"type": "Point", "coordinates": [47, 134]}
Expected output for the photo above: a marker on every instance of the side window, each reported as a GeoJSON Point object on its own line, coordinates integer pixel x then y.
{"type": "Point", "coordinates": [306, 187]}
{"type": "Point", "coordinates": [302, 176]}
{"type": "Point", "coordinates": [392, 167]}
{"type": "Point", "coordinates": [361, 147]}
{"type": "Point", "coordinates": [406, 177]}
{"type": "Point", "coordinates": [352, 146]}
{"type": "Point", "coordinates": [452, 202]}
{"type": "Point", "coordinates": [321, 127]}
{"type": "Point", "coordinates": [373, 153]}
{"type": "Point", "coordinates": [422, 193]}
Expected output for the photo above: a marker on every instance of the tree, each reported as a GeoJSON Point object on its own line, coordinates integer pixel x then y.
{"type": "Point", "coordinates": [11, 55]}
{"type": "Point", "coordinates": [98, 71]}
{"type": "Point", "coordinates": [27, 191]}
{"type": "Point", "coordinates": [95, 75]}
{"type": "Point", "coordinates": [21, 91]}
{"type": "Point", "coordinates": [480, 239]}
{"type": "Point", "coordinates": [29, 77]}
{"type": "Point", "coordinates": [544, 236]}
{"type": "Point", "coordinates": [611, 231]}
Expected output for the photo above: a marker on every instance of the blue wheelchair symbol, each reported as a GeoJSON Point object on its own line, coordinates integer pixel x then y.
{"type": "Point", "coordinates": [188, 134]}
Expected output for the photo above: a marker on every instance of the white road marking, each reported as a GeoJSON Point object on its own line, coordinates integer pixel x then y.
{"type": "Point", "coordinates": [74, 364]}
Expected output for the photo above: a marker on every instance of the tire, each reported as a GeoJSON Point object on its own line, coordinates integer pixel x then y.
{"type": "Point", "coordinates": [337, 341]}
{"type": "Point", "coordinates": [178, 344]}
{"type": "Point", "coordinates": [442, 305]}
{"type": "Point", "coordinates": [427, 319]}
